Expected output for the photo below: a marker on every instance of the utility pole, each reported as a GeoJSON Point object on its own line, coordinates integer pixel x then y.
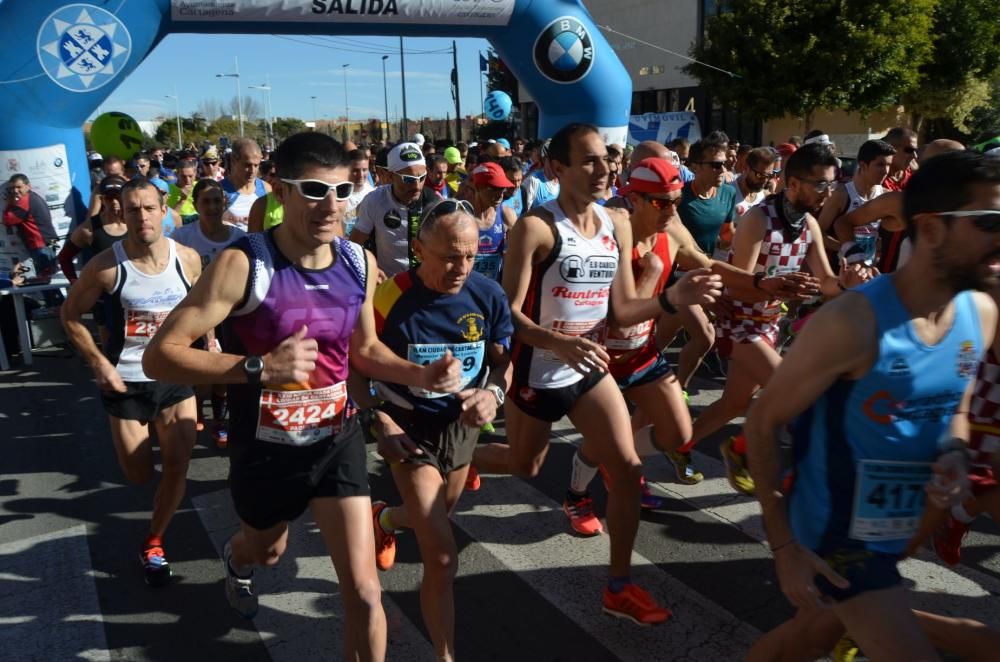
{"type": "Point", "coordinates": [402, 77]}
{"type": "Point", "coordinates": [458, 102]}
{"type": "Point", "coordinates": [385, 99]}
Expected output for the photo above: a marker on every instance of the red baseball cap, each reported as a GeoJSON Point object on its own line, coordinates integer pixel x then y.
{"type": "Point", "coordinates": [490, 174]}
{"type": "Point", "coordinates": [653, 175]}
{"type": "Point", "coordinates": [785, 150]}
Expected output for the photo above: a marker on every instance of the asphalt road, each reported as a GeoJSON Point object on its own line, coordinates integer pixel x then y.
{"type": "Point", "coordinates": [71, 586]}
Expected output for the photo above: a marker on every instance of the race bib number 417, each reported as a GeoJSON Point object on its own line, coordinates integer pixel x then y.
{"type": "Point", "coordinates": [888, 499]}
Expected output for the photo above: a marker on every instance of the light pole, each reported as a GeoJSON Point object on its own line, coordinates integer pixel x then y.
{"type": "Point", "coordinates": [266, 87]}
{"type": "Point", "coordinates": [177, 103]}
{"type": "Point", "coordinates": [347, 107]}
{"type": "Point", "coordinates": [239, 92]}
{"type": "Point", "coordinates": [315, 116]}
{"type": "Point", "coordinates": [385, 98]}
{"type": "Point", "coordinates": [404, 129]}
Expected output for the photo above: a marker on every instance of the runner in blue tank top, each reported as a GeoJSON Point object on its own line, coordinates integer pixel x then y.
{"type": "Point", "coordinates": [490, 184]}
{"type": "Point", "coordinates": [298, 299]}
{"type": "Point", "coordinates": [873, 385]}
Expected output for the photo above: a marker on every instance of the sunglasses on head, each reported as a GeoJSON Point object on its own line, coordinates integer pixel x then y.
{"type": "Point", "coordinates": [411, 179]}
{"type": "Point", "coordinates": [661, 203]}
{"type": "Point", "coordinates": [987, 220]}
{"type": "Point", "coordinates": [717, 165]}
{"type": "Point", "coordinates": [445, 207]}
{"type": "Point", "coordinates": [316, 189]}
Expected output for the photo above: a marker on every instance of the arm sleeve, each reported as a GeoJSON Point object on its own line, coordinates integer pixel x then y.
{"type": "Point", "coordinates": [66, 255]}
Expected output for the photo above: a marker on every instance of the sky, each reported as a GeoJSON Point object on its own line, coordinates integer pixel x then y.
{"type": "Point", "coordinates": [300, 67]}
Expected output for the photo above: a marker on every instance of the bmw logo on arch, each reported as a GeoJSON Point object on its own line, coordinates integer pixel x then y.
{"type": "Point", "coordinates": [564, 51]}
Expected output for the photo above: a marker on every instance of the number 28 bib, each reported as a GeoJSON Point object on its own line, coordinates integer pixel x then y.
{"type": "Point", "coordinates": [301, 418]}
{"type": "Point", "coordinates": [888, 499]}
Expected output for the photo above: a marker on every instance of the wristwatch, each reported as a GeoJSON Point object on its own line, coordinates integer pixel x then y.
{"type": "Point", "coordinates": [253, 366]}
{"type": "Point", "coordinates": [497, 393]}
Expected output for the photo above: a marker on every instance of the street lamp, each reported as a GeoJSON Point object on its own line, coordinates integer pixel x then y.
{"type": "Point", "coordinates": [177, 103]}
{"type": "Point", "coordinates": [315, 116]}
{"type": "Point", "coordinates": [239, 93]}
{"type": "Point", "coordinates": [347, 108]}
{"type": "Point", "coordinates": [385, 98]}
{"type": "Point", "coordinates": [266, 87]}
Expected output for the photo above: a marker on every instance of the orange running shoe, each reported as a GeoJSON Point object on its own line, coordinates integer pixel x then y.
{"type": "Point", "coordinates": [948, 541]}
{"type": "Point", "coordinates": [580, 511]}
{"type": "Point", "coordinates": [472, 480]}
{"type": "Point", "coordinates": [385, 543]}
{"type": "Point", "coordinates": [636, 605]}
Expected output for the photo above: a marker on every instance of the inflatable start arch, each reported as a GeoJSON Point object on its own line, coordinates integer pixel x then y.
{"type": "Point", "coordinates": [62, 60]}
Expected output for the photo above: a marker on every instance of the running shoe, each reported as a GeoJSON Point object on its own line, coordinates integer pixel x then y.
{"type": "Point", "coordinates": [220, 434]}
{"type": "Point", "coordinates": [845, 650]}
{"type": "Point", "coordinates": [736, 468]}
{"type": "Point", "coordinates": [487, 428]}
{"type": "Point", "coordinates": [687, 398]}
{"type": "Point", "coordinates": [636, 605]}
{"type": "Point", "coordinates": [647, 499]}
{"type": "Point", "coordinates": [684, 468]}
{"type": "Point", "coordinates": [385, 543]}
{"type": "Point", "coordinates": [240, 591]}
{"type": "Point", "coordinates": [580, 511]}
{"type": "Point", "coordinates": [472, 480]}
{"type": "Point", "coordinates": [155, 568]}
{"type": "Point", "coordinates": [948, 541]}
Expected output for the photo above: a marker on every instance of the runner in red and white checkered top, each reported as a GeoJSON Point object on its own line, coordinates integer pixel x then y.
{"type": "Point", "coordinates": [984, 458]}
{"type": "Point", "coordinates": [776, 237]}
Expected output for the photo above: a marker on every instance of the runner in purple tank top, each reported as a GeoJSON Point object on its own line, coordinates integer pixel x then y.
{"type": "Point", "coordinates": [298, 300]}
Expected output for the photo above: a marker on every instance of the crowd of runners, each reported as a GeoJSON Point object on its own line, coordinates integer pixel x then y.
{"type": "Point", "coordinates": [326, 296]}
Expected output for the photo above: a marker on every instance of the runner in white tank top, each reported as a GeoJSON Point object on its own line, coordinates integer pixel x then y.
{"type": "Point", "coordinates": [146, 275]}
{"type": "Point", "coordinates": [574, 287]}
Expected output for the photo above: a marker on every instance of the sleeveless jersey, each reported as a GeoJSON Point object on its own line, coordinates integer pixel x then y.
{"type": "Point", "coordinates": [283, 297]}
{"type": "Point", "coordinates": [751, 321]}
{"type": "Point", "coordinates": [984, 411]}
{"type": "Point", "coordinates": [192, 237]}
{"type": "Point", "coordinates": [139, 304]}
{"type": "Point", "coordinates": [100, 239]}
{"type": "Point", "coordinates": [489, 258]}
{"type": "Point", "coordinates": [865, 236]}
{"type": "Point", "coordinates": [238, 210]}
{"type": "Point", "coordinates": [568, 293]}
{"type": "Point", "coordinates": [634, 348]}
{"type": "Point", "coordinates": [863, 451]}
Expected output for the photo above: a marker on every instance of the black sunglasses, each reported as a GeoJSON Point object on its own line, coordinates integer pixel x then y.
{"type": "Point", "coordinates": [767, 175]}
{"type": "Point", "coordinates": [986, 220]}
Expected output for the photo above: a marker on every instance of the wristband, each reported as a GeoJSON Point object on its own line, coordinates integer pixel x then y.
{"type": "Point", "coordinates": [757, 277]}
{"type": "Point", "coordinates": [783, 545]}
{"type": "Point", "coordinates": [665, 304]}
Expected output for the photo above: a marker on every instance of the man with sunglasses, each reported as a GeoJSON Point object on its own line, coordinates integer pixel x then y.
{"type": "Point", "coordinates": [568, 267]}
{"type": "Point", "coordinates": [210, 166]}
{"type": "Point", "coordinates": [299, 304]}
{"type": "Point", "coordinates": [428, 438]}
{"type": "Point", "coordinates": [874, 383]}
{"type": "Point", "coordinates": [874, 162]}
{"type": "Point", "coordinates": [780, 236]}
{"type": "Point", "coordinates": [392, 212]}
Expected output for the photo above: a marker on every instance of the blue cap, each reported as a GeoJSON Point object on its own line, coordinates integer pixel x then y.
{"type": "Point", "coordinates": [504, 142]}
{"type": "Point", "coordinates": [160, 184]}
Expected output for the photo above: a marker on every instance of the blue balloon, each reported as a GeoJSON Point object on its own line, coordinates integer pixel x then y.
{"type": "Point", "coordinates": [497, 105]}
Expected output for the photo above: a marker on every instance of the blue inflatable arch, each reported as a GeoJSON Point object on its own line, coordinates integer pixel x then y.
{"type": "Point", "coordinates": [62, 59]}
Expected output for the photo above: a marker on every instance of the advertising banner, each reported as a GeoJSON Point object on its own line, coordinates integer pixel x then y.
{"type": "Point", "coordinates": [419, 12]}
{"type": "Point", "coordinates": [663, 127]}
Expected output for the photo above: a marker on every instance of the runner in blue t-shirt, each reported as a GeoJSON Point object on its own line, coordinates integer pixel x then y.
{"type": "Point", "coordinates": [428, 438]}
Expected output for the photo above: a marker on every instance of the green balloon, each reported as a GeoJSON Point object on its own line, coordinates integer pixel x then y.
{"type": "Point", "coordinates": [116, 134]}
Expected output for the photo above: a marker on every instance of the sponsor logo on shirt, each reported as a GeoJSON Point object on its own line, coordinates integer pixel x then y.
{"type": "Point", "coordinates": [472, 326]}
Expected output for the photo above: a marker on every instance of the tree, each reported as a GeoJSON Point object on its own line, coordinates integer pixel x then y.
{"type": "Point", "coordinates": [798, 56]}
{"type": "Point", "coordinates": [956, 80]}
{"type": "Point", "coordinates": [251, 108]}
{"type": "Point", "coordinates": [286, 126]}
{"type": "Point", "coordinates": [210, 109]}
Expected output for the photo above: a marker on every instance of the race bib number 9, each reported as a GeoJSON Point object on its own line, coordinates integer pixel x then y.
{"type": "Point", "coordinates": [888, 499]}
{"type": "Point", "coordinates": [301, 418]}
{"type": "Point", "coordinates": [143, 324]}
{"type": "Point", "coordinates": [471, 356]}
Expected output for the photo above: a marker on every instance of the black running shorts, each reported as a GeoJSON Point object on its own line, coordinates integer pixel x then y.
{"type": "Point", "coordinates": [551, 404]}
{"type": "Point", "coordinates": [273, 483]}
{"type": "Point", "coordinates": [143, 401]}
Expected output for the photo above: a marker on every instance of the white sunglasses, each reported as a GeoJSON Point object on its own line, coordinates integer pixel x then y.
{"type": "Point", "coordinates": [316, 189]}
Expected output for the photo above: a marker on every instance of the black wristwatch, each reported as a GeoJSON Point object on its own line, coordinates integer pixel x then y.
{"type": "Point", "coordinates": [253, 367]}
{"type": "Point", "coordinates": [665, 304]}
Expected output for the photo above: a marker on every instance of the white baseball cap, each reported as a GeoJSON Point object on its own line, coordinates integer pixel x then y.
{"type": "Point", "coordinates": [403, 156]}
{"type": "Point", "coordinates": [418, 138]}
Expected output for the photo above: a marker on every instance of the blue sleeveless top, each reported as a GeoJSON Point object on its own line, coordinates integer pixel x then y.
{"type": "Point", "coordinates": [863, 451]}
{"type": "Point", "coordinates": [232, 193]}
{"type": "Point", "coordinates": [489, 259]}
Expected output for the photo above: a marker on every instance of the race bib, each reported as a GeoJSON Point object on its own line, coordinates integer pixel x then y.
{"type": "Point", "coordinates": [888, 499]}
{"type": "Point", "coordinates": [634, 337]}
{"type": "Point", "coordinates": [470, 354]}
{"type": "Point", "coordinates": [596, 330]}
{"type": "Point", "coordinates": [488, 264]}
{"type": "Point", "coordinates": [301, 418]}
{"type": "Point", "coordinates": [143, 324]}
